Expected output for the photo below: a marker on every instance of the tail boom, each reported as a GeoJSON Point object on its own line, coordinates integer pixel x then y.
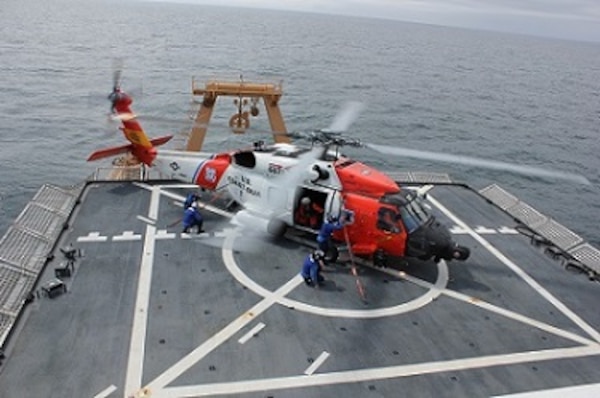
{"type": "Point", "coordinates": [144, 153]}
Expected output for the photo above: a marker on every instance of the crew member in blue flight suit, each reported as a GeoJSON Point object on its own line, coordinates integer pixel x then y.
{"type": "Point", "coordinates": [332, 224]}
{"type": "Point", "coordinates": [311, 268]}
{"type": "Point", "coordinates": [192, 217]}
{"type": "Point", "coordinates": [191, 198]}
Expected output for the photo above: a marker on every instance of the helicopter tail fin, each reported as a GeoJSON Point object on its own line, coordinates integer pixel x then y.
{"type": "Point", "coordinates": [144, 154]}
{"type": "Point", "coordinates": [142, 148]}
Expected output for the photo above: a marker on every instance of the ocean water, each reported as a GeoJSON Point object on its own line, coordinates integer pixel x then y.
{"type": "Point", "coordinates": [504, 97]}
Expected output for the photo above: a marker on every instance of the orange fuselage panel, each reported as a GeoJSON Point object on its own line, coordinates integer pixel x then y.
{"type": "Point", "coordinates": [359, 178]}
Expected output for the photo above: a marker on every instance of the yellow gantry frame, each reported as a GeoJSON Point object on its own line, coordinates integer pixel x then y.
{"type": "Point", "coordinates": [269, 92]}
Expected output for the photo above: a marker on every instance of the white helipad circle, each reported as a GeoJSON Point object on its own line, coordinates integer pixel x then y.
{"type": "Point", "coordinates": [434, 291]}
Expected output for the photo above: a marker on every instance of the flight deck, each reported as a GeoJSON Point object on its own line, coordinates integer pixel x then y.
{"type": "Point", "coordinates": [149, 311]}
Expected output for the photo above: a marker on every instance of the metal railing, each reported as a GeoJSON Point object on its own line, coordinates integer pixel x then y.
{"type": "Point", "coordinates": [26, 247]}
{"type": "Point", "coordinates": [575, 251]}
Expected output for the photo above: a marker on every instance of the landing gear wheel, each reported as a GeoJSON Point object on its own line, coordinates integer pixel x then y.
{"type": "Point", "coordinates": [380, 259]}
{"type": "Point", "coordinates": [332, 254]}
{"type": "Point", "coordinates": [276, 228]}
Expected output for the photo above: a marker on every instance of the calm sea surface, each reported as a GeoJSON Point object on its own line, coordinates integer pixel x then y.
{"type": "Point", "coordinates": [504, 97]}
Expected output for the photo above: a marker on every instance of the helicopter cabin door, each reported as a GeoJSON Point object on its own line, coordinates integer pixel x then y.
{"type": "Point", "coordinates": [309, 208]}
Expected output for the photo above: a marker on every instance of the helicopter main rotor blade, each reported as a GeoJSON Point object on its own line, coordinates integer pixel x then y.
{"type": "Point", "coordinates": [117, 67]}
{"type": "Point", "coordinates": [345, 117]}
{"type": "Point", "coordinates": [478, 162]}
{"type": "Point", "coordinates": [183, 122]}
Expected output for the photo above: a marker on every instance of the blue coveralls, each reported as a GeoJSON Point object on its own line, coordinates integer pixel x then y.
{"type": "Point", "coordinates": [325, 234]}
{"type": "Point", "coordinates": [311, 271]}
{"type": "Point", "coordinates": [192, 217]}
{"type": "Point", "coordinates": [191, 198]}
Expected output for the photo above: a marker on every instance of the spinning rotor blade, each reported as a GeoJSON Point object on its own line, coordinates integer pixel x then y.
{"type": "Point", "coordinates": [345, 117]}
{"type": "Point", "coordinates": [117, 71]}
{"type": "Point", "coordinates": [189, 123]}
{"type": "Point", "coordinates": [478, 162]}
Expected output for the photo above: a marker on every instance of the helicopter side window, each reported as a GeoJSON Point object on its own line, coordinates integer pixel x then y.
{"type": "Point", "coordinates": [387, 220]}
{"type": "Point", "coordinates": [245, 159]}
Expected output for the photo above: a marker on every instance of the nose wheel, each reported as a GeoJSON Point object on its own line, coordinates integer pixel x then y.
{"type": "Point", "coordinates": [461, 253]}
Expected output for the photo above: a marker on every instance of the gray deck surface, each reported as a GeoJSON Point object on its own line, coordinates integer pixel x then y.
{"type": "Point", "coordinates": [208, 321]}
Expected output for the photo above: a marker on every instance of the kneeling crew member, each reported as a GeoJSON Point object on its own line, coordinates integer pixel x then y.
{"type": "Point", "coordinates": [311, 269]}
{"type": "Point", "coordinates": [192, 217]}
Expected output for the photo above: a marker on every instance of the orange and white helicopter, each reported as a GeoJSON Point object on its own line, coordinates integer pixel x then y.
{"type": "Point", "coordinates": [271, 183]}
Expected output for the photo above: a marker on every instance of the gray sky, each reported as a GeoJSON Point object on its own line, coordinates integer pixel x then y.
{"type": "Point", "coordinates": [568, 19]}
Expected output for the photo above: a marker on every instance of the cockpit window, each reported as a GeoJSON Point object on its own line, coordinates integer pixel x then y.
{"type": "Point", "coordinates": [387, 220]}
{"type": "Point", "coordinates": [410, 207]}
{"type": "Point", "coordinates": [413, 214]}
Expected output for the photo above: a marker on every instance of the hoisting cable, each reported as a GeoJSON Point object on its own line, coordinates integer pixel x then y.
{"type": "Point", "coordinates": [359, 286]}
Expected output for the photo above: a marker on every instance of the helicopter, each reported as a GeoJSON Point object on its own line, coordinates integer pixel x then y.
{"type": "Point", "coordinates": [273, 183]}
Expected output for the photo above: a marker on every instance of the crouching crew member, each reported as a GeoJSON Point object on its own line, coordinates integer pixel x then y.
{"type": "Point", "coordinates": [312, 267]}
{"type": "Point", "coordinates": [192, 217]}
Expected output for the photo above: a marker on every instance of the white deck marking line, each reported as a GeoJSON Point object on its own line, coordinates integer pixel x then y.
{"type": "Point", "coordinates": [92, 237]}
{"type": "Point", "coordinates": [106, 392]}
{"type": "Point", "coordinates": [522, 274]}
{"type": "Point", "coordinates": [520, 318]}
{"type": "Point", "coordinates": [251, 333]}
{"type": "Point", "coordinates": [146, 220]}
{"type": "Point", "coordinates": [507, 230]}
{"type": "Point", "coordinates": [318, 362]}
{"type": "Point", "coordinates": [426, 298]}
{"type": "Point", "coordinates": [424, 189]}
{"type": "Point", "coordinates": [480, 229]}
{"type": "Point", "coordinates": [456, 230]}
{"type": "Point", "coordinates": [579, 391]}
{"type": "Point", "coordinates": [224, 334]}
{"type": "Point", "coordinates": [127, 235]}
{"type": "Point", "coordinates": [135, 363]}
{"type": "Point", "coordinates": [487, 306]}
{"type": "Point", "coordinates": [362, 375]}
{"type": "Point", "coordinates": [163, 234]}
{"type": "Point", "coordinates": [193, 235]}
{"type": "Point", "coordinates": [220, 337]}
